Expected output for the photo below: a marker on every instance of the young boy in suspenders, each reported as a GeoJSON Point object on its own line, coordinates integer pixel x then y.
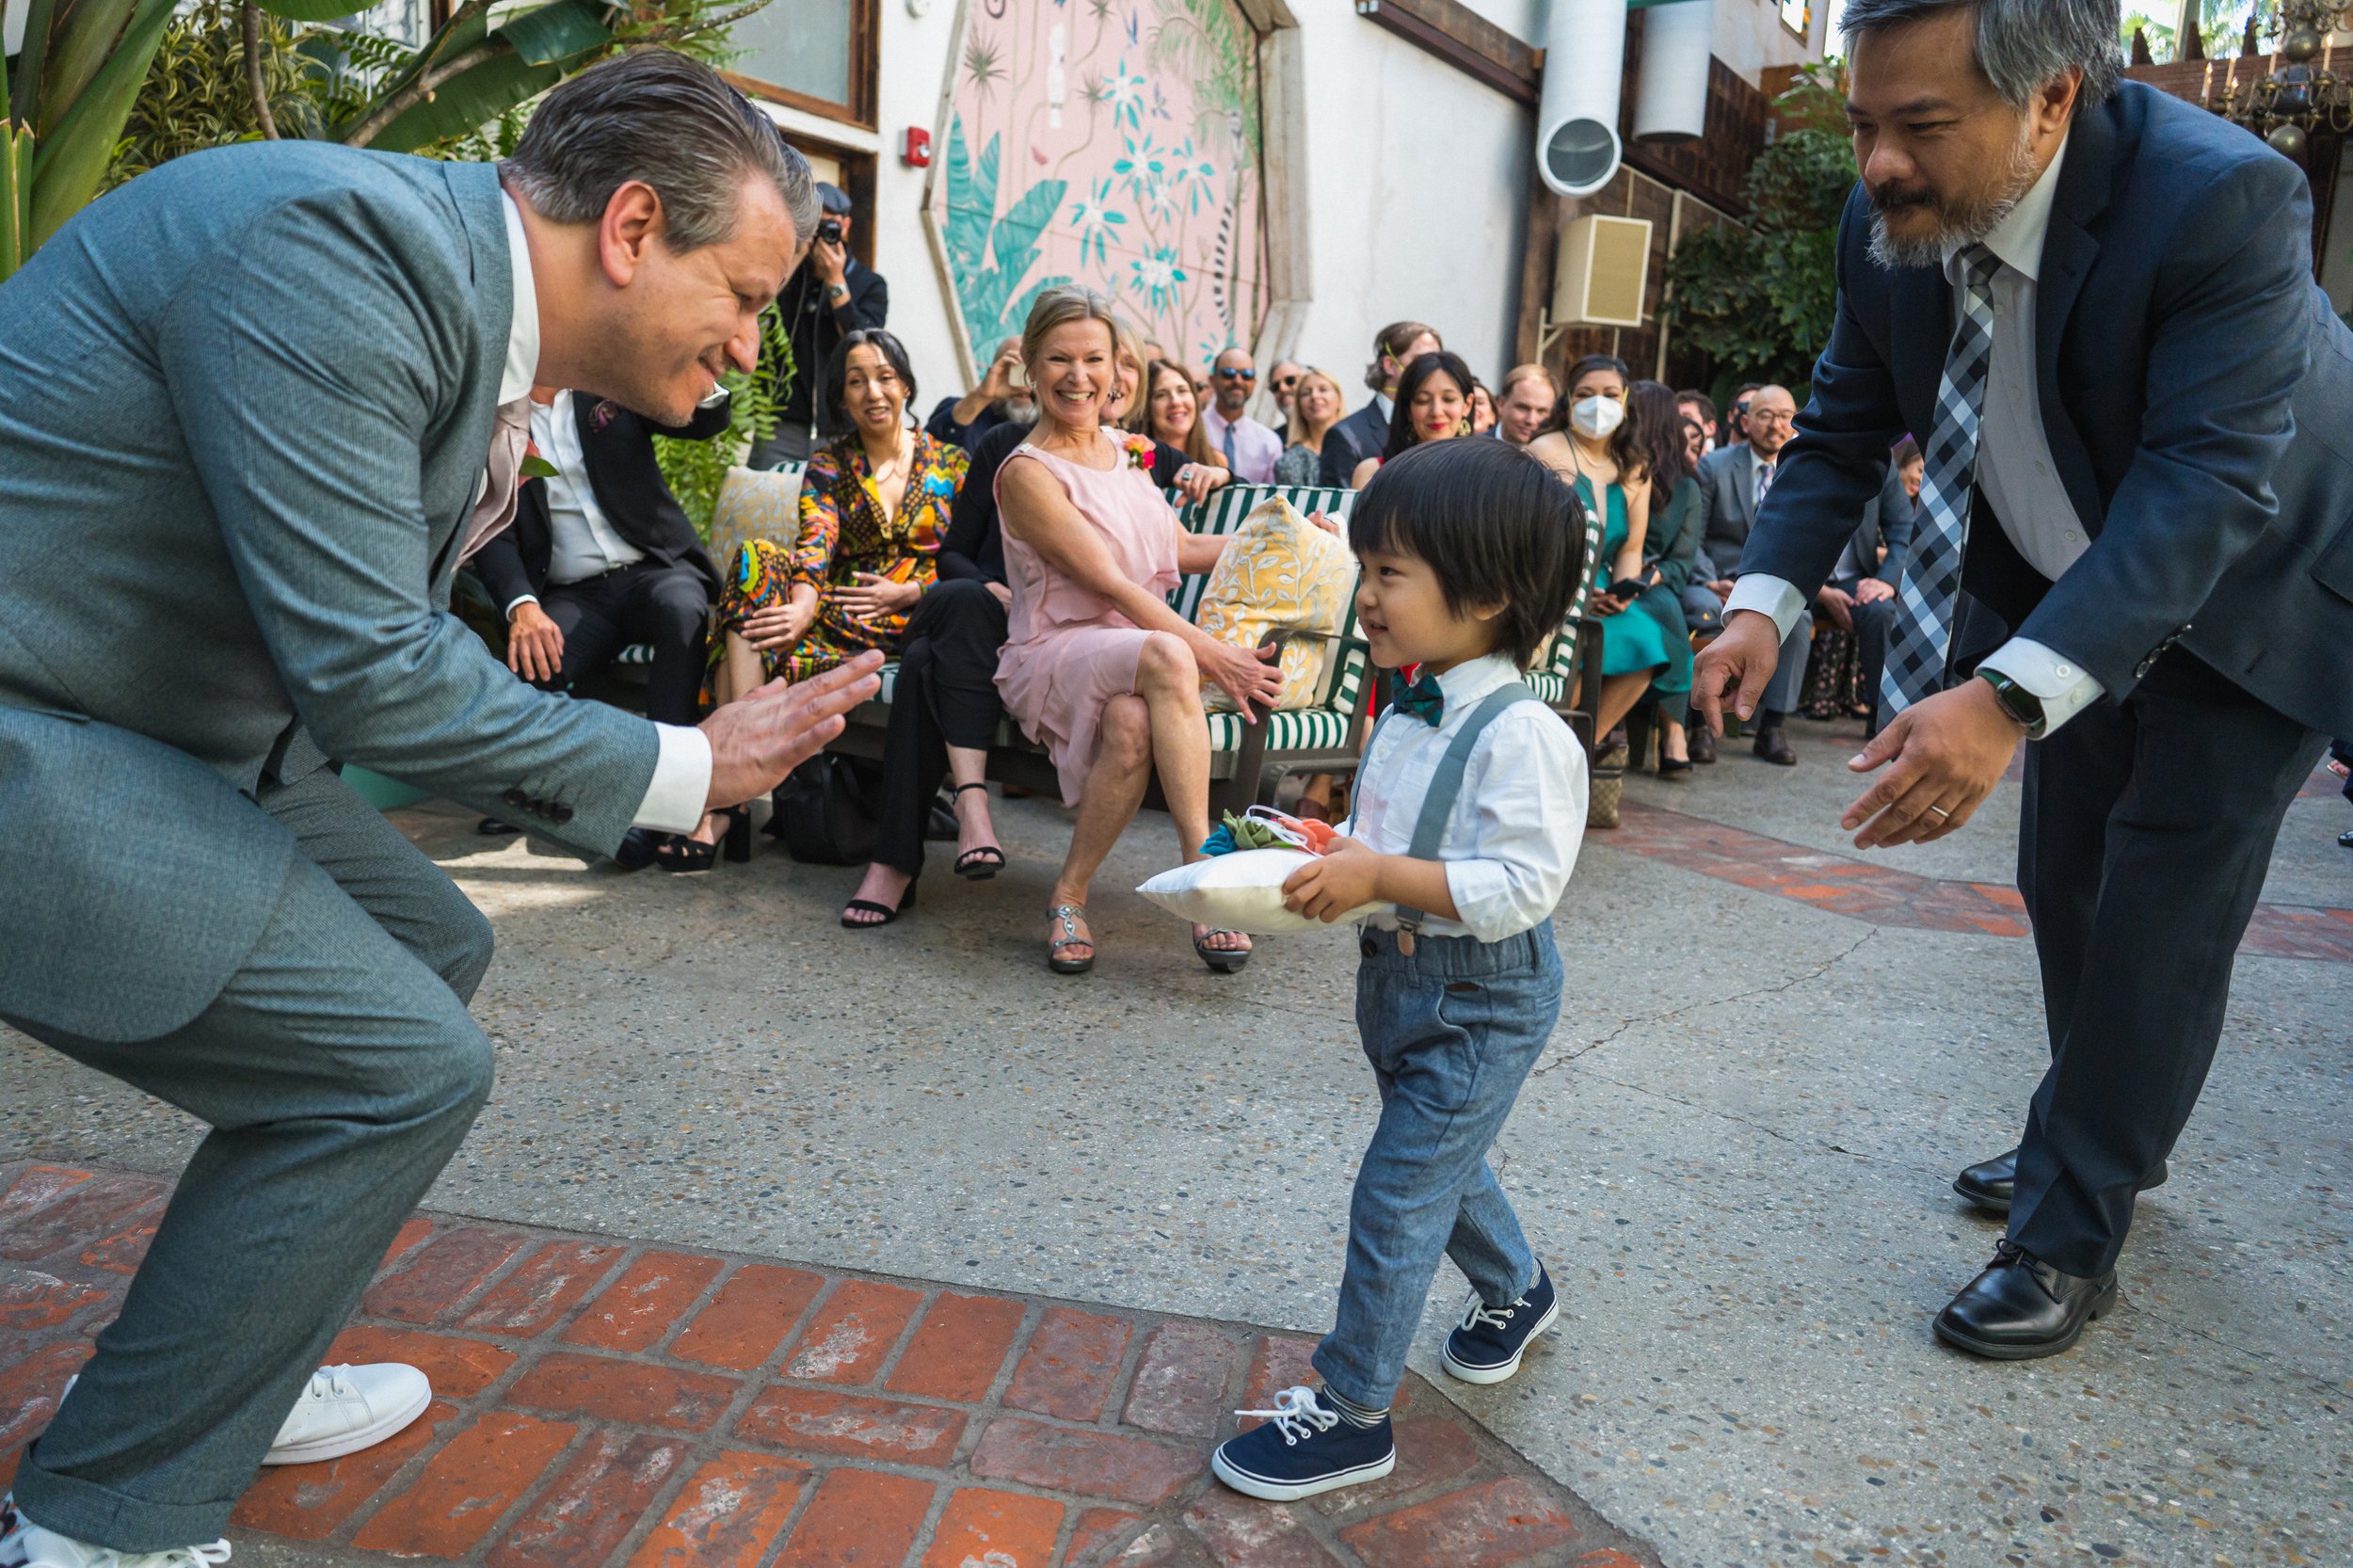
{"type": "Point", "coordinates": [1470, 807]}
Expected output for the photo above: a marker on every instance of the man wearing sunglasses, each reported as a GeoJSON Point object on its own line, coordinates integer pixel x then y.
{"type": "Point", "coordinates": [1250, 448]}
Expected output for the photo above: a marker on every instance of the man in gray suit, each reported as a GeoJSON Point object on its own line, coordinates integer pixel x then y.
{"type": "Point", "coordinates": [248, 405]}
{"type": "Point", "coordinates": [1732, 480]}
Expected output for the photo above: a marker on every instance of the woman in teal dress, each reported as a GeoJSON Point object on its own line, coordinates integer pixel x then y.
{"type": "Point", "coordinates": [1669, 550]}
{"type": "Point", "coordinates": [1597, 453]}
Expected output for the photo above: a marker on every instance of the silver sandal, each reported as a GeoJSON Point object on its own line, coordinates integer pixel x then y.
{"type": "Point", "coordinates": [1068, 916]}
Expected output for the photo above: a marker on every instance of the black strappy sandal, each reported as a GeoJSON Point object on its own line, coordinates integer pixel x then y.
{"type": "Point", "coordinates": [979, 865]}
{"type": "Point", "coordinates": [680, 853]}
{"type": "Point", "coordinates": [868, 906]}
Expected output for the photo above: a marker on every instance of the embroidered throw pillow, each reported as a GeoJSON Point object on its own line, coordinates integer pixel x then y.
{"type": "Point", "coordinates": [1282, 577]}
{"type": "Point", "coordinates": [755, 503]}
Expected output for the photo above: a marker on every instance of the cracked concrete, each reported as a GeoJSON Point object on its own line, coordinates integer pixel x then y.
{"type": "Point", "coordinates": [1743, 1195]}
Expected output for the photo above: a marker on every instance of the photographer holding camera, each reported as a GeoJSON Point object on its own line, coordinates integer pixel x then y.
{"type": "Point", "coordinates": [831, 296]}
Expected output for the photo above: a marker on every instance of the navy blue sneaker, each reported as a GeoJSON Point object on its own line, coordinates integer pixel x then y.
{"type": "Point", "coordinates": [1488, 1346]}
{"type": "Point", "coordinates": [1302, 1450]}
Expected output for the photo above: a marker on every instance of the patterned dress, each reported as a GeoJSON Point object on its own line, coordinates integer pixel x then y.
{"type": "Point", "coordinates": [844, 531]}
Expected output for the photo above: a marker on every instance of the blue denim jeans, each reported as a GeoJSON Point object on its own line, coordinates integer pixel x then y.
{"type": "Point", "coordinates": [1451, 1032]}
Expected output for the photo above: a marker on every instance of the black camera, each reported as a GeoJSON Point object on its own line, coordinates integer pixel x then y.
{"type": "Point", "coordinates": [830, 231]}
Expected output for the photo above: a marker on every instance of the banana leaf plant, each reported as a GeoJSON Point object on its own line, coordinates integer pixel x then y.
{"type": "Point", "coordinates": [68, 94]}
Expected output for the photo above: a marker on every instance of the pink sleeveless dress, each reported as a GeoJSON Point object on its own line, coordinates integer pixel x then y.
{"type": "Point", "coordinates": [1067, 651]}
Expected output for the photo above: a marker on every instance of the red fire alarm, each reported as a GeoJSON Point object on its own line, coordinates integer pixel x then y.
{"type": "Point", "coordinates": [919, 147]}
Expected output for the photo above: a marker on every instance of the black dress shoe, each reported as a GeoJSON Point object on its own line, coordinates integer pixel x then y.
{"type": "Point", "coordinates": [637, 849]}
{"type": "Point", "coordinates": [1989, 1183]}
{"type": "Point", "coordinates": [2021, 1308]}
{"type": "Point", "coordinates": [1703, 744]}
{"type": "Point", "coordinates": [493, 828]}
{"type": "Point", "coordinates": [1774, 748]}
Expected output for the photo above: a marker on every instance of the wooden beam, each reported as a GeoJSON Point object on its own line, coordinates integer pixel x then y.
{"type": "Point", "coordinates": [1462, 38]}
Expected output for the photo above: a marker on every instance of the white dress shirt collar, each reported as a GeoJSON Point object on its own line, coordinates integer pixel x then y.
{"type": "Point", "coordinates": [522, 338]}
{"type": "Point", "coordinates": [1468, 683]}
{"type": "Point", "coordinates": [2017, 240]}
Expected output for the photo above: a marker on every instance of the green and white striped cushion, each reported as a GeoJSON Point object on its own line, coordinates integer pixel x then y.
{"type": "Point", "coordinates": [1292, 729]}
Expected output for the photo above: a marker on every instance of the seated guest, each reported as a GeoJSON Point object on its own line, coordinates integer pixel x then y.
{"type": "Point", "coordinates": [1248, 447]}
{"type": "Point", "coordinates": [1366, 433]}
{"type": "Point", "coordinates": [1700, 410]}
{"type": "Point", "coordinates": [601, 556]}
{"type": "Point", "coordinates": [1482, 409]}
{"type": "Point", "coordinates": [831, 294]}
{"type": "Point", "coordinates": [1733, 479]}
{"type": "Point", "coordinates": [1599, 456]}
{"type": "Point", "coordinates": [1859, 596]}
{"type": "Point", "coordinates": [1524, 408]}
{"type": "Point", "coordinates": [945, 710]}
{"type": "Point", "coordinates": [874, 505]}
{"type": "Point", "coordinates": [1316, 405]}
{"type": "Point", "coordinates": [1001, 398]}
{"type": "Point", "coordinates": [1433, 405]}
{"type": "Point", "coordinates": [1097, 668]}
{"type": "Point", "coordinates": [1170, 413]}
{"type": "Point", "coordinates": [1670, 542]}
{"type": "Point", "coordinates": [1281, 382]}
{"type": "Point", "coordinates": [1736, 422]}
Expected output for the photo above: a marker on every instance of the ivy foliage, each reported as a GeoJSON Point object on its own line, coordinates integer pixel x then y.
{"type": "Point", "coordinates": [1759, 301]}
{"type": "Point", "coordinates": [696, 470]}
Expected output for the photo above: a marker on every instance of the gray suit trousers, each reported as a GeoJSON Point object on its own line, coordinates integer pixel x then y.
{"type": "Point", "coordinates": [338, 1070]}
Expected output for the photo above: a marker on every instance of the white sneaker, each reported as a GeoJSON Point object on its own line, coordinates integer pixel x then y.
{"type": "Point", "coordinates": [343, 1410]}
{"type": "Point", "coordinates": [25, 1544]}
{"type": "Point", "coordinates": [349, 1408]}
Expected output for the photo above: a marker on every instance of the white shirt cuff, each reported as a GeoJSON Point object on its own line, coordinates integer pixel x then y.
{"type": "Point", "coordinates": [1773, 595]}
{"type": "Point", "coordinates": [681, 781]}
{"type": "Point", "coordinates": [520, 599]}
{"type": "Point", "coordinates": [2065, 687]}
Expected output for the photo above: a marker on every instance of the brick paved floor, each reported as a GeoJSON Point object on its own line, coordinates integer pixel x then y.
{"type": "Point", "coordinates": [605, 1402]}
{"type": "Point", "coordinates": [1881, 895]}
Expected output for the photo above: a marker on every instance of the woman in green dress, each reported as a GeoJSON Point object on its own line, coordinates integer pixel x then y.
{"type": "Point", "coordinates": [1669, 550]}
{"type": "Point", "coordinates": [1597, 453]}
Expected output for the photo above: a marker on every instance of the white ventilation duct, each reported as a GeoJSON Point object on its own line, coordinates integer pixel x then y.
{"type": "Point", "coordinates": [1671, 103]}
{"type": "Point", "coordinates": [1577, 120]}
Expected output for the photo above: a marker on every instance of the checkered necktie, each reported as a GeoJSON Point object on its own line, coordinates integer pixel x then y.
{"type": "Point", "coordinates": [1922, 640]}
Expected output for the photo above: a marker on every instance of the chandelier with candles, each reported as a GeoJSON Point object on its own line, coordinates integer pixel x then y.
{"type": "Point", "coordinates": [2301, 94]}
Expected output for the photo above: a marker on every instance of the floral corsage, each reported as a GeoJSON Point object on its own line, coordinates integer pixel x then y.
{"type": "Point", "coordinates": [1140, 449]}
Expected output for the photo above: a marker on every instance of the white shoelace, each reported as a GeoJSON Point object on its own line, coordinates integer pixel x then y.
{"type": "Point", "coordinates": [1297, 1416]}
{"type": "Point", "coordinates": [1481, 1314]}
{"type": "Point", "coordinates": [329, 1383]}
{"type": "Point", "coordinates": [191, 1557]}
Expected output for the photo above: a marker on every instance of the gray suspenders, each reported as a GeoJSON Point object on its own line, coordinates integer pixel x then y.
{"type": "Point", "coordinates": [1444, 785]}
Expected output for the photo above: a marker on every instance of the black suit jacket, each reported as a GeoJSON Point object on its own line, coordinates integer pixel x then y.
{"type": "Point", "coordinates": [618, 447]}
{"type": "Point", "coordinates": [1363, 434]}
{"type": "Point", "coordinates": [2197, 391]}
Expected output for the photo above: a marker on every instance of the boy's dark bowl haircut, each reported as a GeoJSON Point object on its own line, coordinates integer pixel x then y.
{"type": "Point", "coordinates": [1496, 525]}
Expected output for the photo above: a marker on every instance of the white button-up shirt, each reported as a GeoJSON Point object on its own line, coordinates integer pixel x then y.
{"type": "Point", "coordinates": [1512, 840]}
{"type": "Point", "coordinates": [2015, 468]}
{"type": "Point", "coordinates": [682, 770]}
{"type": "Point", "coordinates": [582, 541]}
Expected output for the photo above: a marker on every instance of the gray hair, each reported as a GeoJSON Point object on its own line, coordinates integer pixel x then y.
{"type": "Point", "coordinates": [658, 117]}
{"type": "Point", "coordinates": [2022, 45]}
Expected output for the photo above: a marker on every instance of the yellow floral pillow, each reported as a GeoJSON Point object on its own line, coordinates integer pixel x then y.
{"type": "Point", "coordinates": [1283, 577]}
{"type": "Point", "coordinates": [755, 504]}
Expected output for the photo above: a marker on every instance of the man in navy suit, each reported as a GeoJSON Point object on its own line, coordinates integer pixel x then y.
{"type": "Point", "coordinates": [2094, 304]}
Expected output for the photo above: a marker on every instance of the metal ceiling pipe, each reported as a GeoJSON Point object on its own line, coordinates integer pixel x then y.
{"type": "Point", "coordinates": [1670, 103]}
{"type": "Point", "coordinates": [1577, 118]}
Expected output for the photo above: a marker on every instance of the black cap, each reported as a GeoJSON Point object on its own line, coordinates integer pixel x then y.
{"type": "Point", "coordinates": [833, 198]}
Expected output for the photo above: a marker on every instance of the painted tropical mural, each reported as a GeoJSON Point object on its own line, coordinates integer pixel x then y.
{"type": "Point", "coordinates": [1110, 142]}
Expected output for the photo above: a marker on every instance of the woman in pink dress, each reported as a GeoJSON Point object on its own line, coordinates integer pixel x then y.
{"type": "Point", "coordinates": [1097, 668]}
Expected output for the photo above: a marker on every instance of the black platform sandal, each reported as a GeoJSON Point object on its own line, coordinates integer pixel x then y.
{"type": "Point", "coordinates": [1220, 960]}
{"type": "Point", "coordinates": [680, 853]}
{"type": "Point", "coordinates": [979, 865]}
{"type": "Point", "coordinates": [868, 906]}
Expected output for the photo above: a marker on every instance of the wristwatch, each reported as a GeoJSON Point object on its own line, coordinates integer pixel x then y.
{"type": "Point", "coordinates": [2018, 702]}
{"type": "Point", "coordinates": [837, 292]}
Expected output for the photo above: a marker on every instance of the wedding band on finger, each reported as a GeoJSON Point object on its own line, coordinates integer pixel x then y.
{"type": "Point", "coordinates": [1940, 814]}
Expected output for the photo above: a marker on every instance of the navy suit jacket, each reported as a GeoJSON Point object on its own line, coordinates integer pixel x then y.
{"type": "Point", "coordinates": [2198, 393]}
{"type": "Point", "coordinates": [1361, 435]}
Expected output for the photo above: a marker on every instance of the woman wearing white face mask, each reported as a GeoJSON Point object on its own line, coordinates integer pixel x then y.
{"type": "Point", "coordinates": [1597, 453]}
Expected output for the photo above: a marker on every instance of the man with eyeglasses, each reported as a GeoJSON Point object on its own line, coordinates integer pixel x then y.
{"type": "Point", "coordinates": [1734, 480]}
{"type": "Point", "coordinates": [1281, 382]}
{"type": "Point", "coordinates": [1250, 448]}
